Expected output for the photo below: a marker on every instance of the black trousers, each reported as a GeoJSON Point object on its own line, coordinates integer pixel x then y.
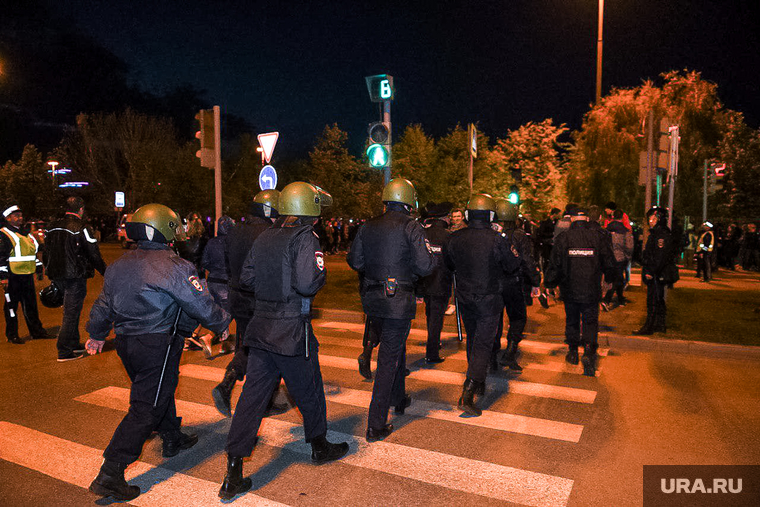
{"type": "Point", "coordinates": [241, 308]}
{"type": "Point", "coordinates": [21, 290]}
{"type": "Point", "coordinates": [481, 329]}
{"type": "Point", "coordinates": [303, 379]}
{"type": "Point", "coordinates": [435, 308]}
{"type": "Point", "coordinates": [618, 284]}
{"type": "Point", "coordinates": [517, 312]}
{"type": "Point", "coordinates": [704, 265]}
{"type": "Point", "coordinates": [143, 358]}
{"type": "Point", "coordinates": [656, 308]}
{"type": "Point", "coordinates": [582, 325]}
{"type": "Point", "coordinates": [74, 292]}
{"type": "Point", "coordinates": [390, 381]}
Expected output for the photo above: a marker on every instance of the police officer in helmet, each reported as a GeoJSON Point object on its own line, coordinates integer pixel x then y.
{"type": "Point", "coordinates": [149, 296]}
{"type": "Point", "coordinates": [390, 254]}
{"type": "Point", "coordinates": [285, 269]}
{"type": "Point", "coordinates": [481, 258]}
{"type": "Point", "coordinates": [261, 214]}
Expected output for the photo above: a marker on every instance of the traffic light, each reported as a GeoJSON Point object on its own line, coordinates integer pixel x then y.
{"type": "Point", "coordinates": [516, 174]}
{"type": "Point", "coordinates": [514, 195]}
{"type": "Point", "coordinates": [663, 149]}
{"type": "Point", "coordinates": [719, 174]}
{"type": "Point", "coordinates": [207, 137]}
{"type": "Point", "coordinates": [380, 87]}
{"type": "Point", "coordinates": [379, 150]}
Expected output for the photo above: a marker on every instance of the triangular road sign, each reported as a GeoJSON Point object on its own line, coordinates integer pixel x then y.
{"type": "Point", "coordinates": [267, 142]}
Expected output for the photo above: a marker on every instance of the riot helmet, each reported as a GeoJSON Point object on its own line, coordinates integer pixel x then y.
{"type": "Point", "coordinates": [303, 199]}
{"type": "Point", "coordinates": [505, 210]}
{"type": "Point", "coordinates": [155, 222]}
{"type": "Point", "coordinates": [266, 204]}
{"type": "Point", "coordinates": [400, 190]}
{"type": "Point", "coordinates": [480, 207]}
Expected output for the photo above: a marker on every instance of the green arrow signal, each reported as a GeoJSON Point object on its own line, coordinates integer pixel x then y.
{"type": "Point", "coordinates": [378, 155]}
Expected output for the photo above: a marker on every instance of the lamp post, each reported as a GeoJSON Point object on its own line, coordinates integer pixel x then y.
{"type": "Point", "coordinates": [261, 151]}
{"type": "Point", "coordinates": [53, 164]}
{"type": "Point", "coordinates": [599, 41]}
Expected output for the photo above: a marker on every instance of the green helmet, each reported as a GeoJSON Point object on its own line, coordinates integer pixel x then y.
{"type": "Point", "coordinates": [151, 219]}
{"type": "Point", "coordinates": [269, 198]}
{"type": "Point", "coordinates": [400, 190]}
{"type": "Point", "coordinates": [505, 210]}
{"type": "Point", "coordinates": [481, 202]}
{"type": "Point", "coordinates": [303, 199]}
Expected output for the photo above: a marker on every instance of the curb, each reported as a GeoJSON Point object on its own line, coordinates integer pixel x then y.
{"type": "Point", "coordinates": [719, 350]}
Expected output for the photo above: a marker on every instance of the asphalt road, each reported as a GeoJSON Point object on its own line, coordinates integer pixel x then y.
{"type": "Point", "coordinates": [549, 436]}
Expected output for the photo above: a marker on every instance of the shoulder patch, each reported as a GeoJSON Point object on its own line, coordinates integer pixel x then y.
{"type": "Point", "coordinates": [661, 243]}
{"type": "Point", "coordinates": [195, 283]}
{"type": "Point", "coordinates": [580, 252]}
{"type": "Point", "coordinates": [320, 259]}
{"type": "Point", "coordinates": [514, 251]}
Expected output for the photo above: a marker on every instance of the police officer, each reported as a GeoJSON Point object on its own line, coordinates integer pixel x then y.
{"type": "Point", "coordinates": [705, 247]}
{"type": "Point", "coordinates": [149, 296]}
{"type": "Point", "coordinates": [512, 294]}
{"type": "Point", "coordinates": [390, 254]}
{"type": "Point", "coordinates": [435, 288]}
{"type": "Point", "coordinates": [261, 213]}
{"type": "Point", "coordinates": [18, 264]}
{"type": "Point", "coordinates": [285, 269]}
{"type": "Point", "coordinates": [657, 267]}
{"type": "Point", "coordinates": [580, 257]}
{"type": "Point", "coordinates": [479, 257]}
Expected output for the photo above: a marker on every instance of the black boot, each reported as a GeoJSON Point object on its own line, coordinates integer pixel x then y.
{"type": "Point", "coordinates": [374, 434]}
{"type": "Point", "coordinates": [222, 393]}
{"type": "Point", "coordinates": [659, 323]}
{"type": "Point", "coordinates": [646, 329]}
{"type": "Point", "coordinates": [323, 451]}
{"type": "Point", "coordinates": [365, 370]}
{"type": "Point", "coordinates": [509, 359]}
{"type": "Point", "coordinates": [15, 340]}
{"type": "Point", "coordinates": [589, 363]}
{"type": "Point", "coordinates": [234, 484]}
{"type": "Point", "coordinates": [176, 441]}
{"type": "Point", "coordinates": [572, 355]}
{"type": "Point", "coordinates": [407, 401]}
{"type": "Point", "coordinates": [110, 482]}
{"type": "Point", "coordinates": [466, 401]}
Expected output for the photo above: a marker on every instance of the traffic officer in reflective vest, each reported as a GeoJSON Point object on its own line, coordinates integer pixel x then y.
{"type": "Point", "coordinates": [285, 269]}
{"type": "Point", "coordinates": [705, 246]}
{"type": "Point", "coordinates": [481, 258]}
{"type": "Point", "coordinates": [512, 292]}
{"type": "Point", "coordinates": [390, 253]}
{"type": "Point", "coordinates": [18, 264]}
{"type": "Point", "coordinates": [580, 257]}
{"type": "Point", "coordinates": [150, 295]}
{"type": "Point", "coordinates": [262, 212]}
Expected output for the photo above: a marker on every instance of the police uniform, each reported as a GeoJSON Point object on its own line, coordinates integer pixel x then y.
{"type": "Point", "coordinates": [18, 264]}
{"type": "Point", "coordinates": [580, 257]}
{"type": "Point", "coordinates": [390, 253]}
{"type": "Point", "coordinates": [705, 247]}
{"type": "Point", "coordinates": [285, 269]}
{"type": "Point", "coordinates": [479, 257]}
{"type": "Point", "coordinates": [148, 294]}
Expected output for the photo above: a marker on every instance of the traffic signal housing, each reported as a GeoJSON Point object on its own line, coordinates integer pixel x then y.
{"type": "Point", "coordinates": [379, 150]}
{"type": "Point", "coordinates": [207, 137]}
{"type": "Point", "coordinates": [718, 173]}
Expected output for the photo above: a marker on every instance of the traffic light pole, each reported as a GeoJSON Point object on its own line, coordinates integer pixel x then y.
{"type": "Point", "coordinates": [704, 193]}
{"type": "Point", "coordinates": [387, 120]}
{"type": "Point", "coordinates": [674, 140]}
{"type": "Point", "coordinates": [217, 166]}
{"type": "Point", "coordinates": [650, 168]}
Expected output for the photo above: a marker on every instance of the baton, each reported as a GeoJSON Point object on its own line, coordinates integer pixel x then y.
{"type": "Point", "coordinates": [166, 358]}
{"type": "Point", "coordinates": [367, 337]}
{"type": "Point", "coordinates": [456, 306]}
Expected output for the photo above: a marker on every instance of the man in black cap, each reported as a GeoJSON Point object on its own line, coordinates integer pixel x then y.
{"type": "Point", "coordinates": [579, 258]}
{"type": "Point", "coordinates": [18, 264]}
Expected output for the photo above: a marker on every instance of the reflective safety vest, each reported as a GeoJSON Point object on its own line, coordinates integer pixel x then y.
{"type": "Point", "coordinates": [23, 260]}
{"type": "Point", "coordinates": [703, 238]}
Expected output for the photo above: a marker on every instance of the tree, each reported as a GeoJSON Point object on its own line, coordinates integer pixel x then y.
{"type": "Point", "coordinates": [28, 184]}
{"type": "Point", "coordinates": [415, 158]}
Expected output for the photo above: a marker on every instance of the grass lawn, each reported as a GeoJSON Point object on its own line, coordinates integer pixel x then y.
{"type": "Point", "coordinates": [718, 316]}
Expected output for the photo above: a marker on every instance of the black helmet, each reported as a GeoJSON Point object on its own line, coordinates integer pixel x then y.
{"type": "Point", "coordinates": [51, 296]}
{"type": "Point", "coordinates": [662, 214]}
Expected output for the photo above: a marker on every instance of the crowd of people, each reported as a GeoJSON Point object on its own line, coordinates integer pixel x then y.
{"type": "Point", "coordinates": [264, 271]}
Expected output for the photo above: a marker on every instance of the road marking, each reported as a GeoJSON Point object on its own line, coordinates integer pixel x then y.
{"type": "Point", "coordinates": [446, 377]}
{"type": "Point", "coordinates": [79, 464]}
{"type": "Point", "coordinates": [492, 420]}
{"type": "Point", "coordinates": [533, 346]}
{"type": "Point", "coordinates": [476, 477]}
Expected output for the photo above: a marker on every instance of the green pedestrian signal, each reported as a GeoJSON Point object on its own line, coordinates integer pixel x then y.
{"type": "Point", "coordinates": [378, 155]}
{"type": "Point", "coordinates": [514, 195]}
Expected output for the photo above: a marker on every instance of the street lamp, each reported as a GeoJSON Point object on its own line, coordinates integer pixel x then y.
{"type": "Point", "coordinates": [261, 150]}
{"type": "Point", "coordinates": [599, 53]}
{"type": "Point", "coordinates": [53, 164]}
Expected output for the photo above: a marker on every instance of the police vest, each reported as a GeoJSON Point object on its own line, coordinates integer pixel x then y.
{"type": "Point", "coordinates": [23, 260]}
{"type": "Point", "coordinates": [477, 270]}
{"type": "Point", "coordinates": [703, 238]}
{"type": "Point", "coordinates": [274, 271]}
{"type": "Point", "coordinates": [387, 252]}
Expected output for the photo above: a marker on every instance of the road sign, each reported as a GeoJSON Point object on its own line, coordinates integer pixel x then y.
{"type": "Point", "coordinates": [267, 178]}
{"type": "Point", "coordinates": [119, 200]}
{"type": "Point", "coordinates": [267, 142]}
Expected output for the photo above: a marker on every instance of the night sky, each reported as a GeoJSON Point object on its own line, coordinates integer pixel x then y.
{"type": "Point", "coordinates": [295, 67]}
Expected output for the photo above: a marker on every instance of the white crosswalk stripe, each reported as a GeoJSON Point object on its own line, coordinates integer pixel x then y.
{"type": "Point", "coordinates": [467, 475]}
{"type": "Point", "coordinates": [79, 464]}
{"type": "Point", "coordinates": [493, 420]}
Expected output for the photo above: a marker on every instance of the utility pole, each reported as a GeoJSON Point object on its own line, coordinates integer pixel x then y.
{"type": "Point", "coordinates": [217, 166]}
{"type": "Point", "coordinates": [649, 169]}
{"type": "Point", "coordinates": [673, 170]}
{"type": "Point", "coordinates": [387, 121]}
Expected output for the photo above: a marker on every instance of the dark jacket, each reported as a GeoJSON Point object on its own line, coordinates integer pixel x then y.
{"type": "Point", "coordinates": [529, 271]}
{"type": "Point", "coordinates": [71, 250]}
{"type": "Point", "coordinates": [659, 252]}
{"type": "Point", "coordinates": [213, 259]}
{"type": "Point", "coordinates": [192, 250]}
{"type": "Point", "coordinates": [437, 283]}
{"type": "Point", "coordinates": [285, 269]}
{"type": "Point", "coordinates": [143, 291]}
{"type": "Point", "coordinates": [581, 255]}
{"type": "Point", "coordinates": [482, 260]}
{"type": "Point", "coordinates": [390, 246]}
{"type": "Point", "coordinates": [239, 243]}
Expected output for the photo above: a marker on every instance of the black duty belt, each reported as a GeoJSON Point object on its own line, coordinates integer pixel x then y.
{"type": "Point", "coordinates": [375, 284]}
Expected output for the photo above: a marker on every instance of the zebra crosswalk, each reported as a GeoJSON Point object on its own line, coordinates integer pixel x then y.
{"type": "Point", "coordinates": [564, 404]}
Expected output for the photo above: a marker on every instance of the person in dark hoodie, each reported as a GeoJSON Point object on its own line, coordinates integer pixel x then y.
{"type": "Point", "coordinates": [213, 261]}
{"type": "Point", "coordinates": [622, 249]}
